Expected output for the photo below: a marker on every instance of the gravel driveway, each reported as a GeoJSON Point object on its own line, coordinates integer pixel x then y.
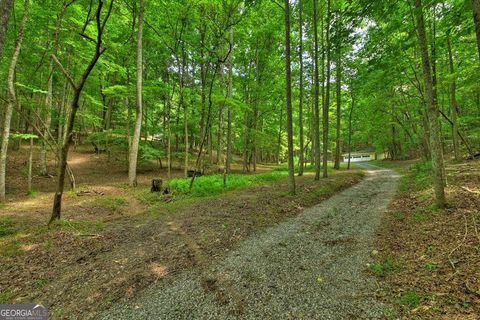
{"type": "Point", "coordinates": [310, 267]}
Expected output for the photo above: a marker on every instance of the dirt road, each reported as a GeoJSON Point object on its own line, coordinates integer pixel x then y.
{"type": "Point", "coordinates": [312, 266]}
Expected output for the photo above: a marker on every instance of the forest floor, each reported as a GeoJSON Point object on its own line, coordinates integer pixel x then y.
{"type": "Point", "coordinates": [114, 241]}
{"type": "Point", "coordinates": [429, 259]}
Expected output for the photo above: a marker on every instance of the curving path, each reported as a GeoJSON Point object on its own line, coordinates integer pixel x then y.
{"type": "Point", "coordinates": [309, 267]}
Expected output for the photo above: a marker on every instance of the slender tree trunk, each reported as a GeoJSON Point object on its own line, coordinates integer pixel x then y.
{"type": "Point", "coordinates": [326, 105]}
{"type": "Point", "coordinates": [453, 101]}
{"type": "Point", "coordinates": [476, 20]}
{"type": "Point", "coordinates": [229, 96]}
{"type": "Point", "coordinates": [132, 168]}
{"type": "Point", "coordinates": [5, 10]}
{"type": "Point", "coordinates": [279, 140]}
{"type": "Point", "coordinates": [12, 100]}
{"type": "Point", "coordinates": [338, 148]}
{"type": "Point", "coordinates": [30, 166]}
{"type": "Point", "coordinates": [350, 127]}
{"type": "Point", "coordinates": [185, 112]}
{"type": "Point", "coordinates": [435, 138]}
{"type": "Point", "coordinates": [301, 158]}
{"type": "Point", "coordinates": [316, 110]}
{"type": "Point", "coordinates": [288, 73]}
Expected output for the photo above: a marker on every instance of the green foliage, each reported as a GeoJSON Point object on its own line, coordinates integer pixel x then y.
{"type": "Point", "coordinates": [40, 283]}
{"type": "Point", "coordinates": [23, 136]}
{"type": "Point", "coordinates": [389, 264]}
{"type": "Point", "coordinates": [431, 266]}
{"type": "Point", "coordinates": [411, 299]}
{"type": "Point", "coordinates": [212, 185]}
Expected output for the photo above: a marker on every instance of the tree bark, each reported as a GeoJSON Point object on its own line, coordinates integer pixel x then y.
{"type": "Point", "coordinates": [30, 166]}
{"type": "Point", "coordinates": [5, 10]}
{"type": "Point", "coordinates": [316, 109]}
{"type": "Point", "coordinates": [229, 112]}
{"type": "Point", "coordinates": [301, 156]}
{"type": "Point", "coordinates": [288, 74]}
{"type": "Point", "coordinates": [12, 99]}
{"type": "Point", "coordinates": [476, 20]}
{"type": "Point", "coordinates": [453, 101]}
{"type": "Point", "coordinates": [326, 105]}
{"type": "Point", "coordinates": [350, 126]}
{"type": "Point", "coordinates": [338, 148]}
{"type": "Point", "coordinates": [435, 137]}
{"type": "Point", "coordinates": [132, 168]}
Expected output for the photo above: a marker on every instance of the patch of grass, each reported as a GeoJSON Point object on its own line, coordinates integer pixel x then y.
{"type": "Point", "coordinates": [147, 197]}
{"type": "Point", "coordinates": [420, 214]}
{"type": "Point", "coordinates": [410, 299]}
{"type": "Point", "coordinates": [6, 296]}
{"type": "Point", "coordinates": [7, 227]}
{"type": "Point", "coordinates": [431, 266]}
{"type": "Point", "coordinates": [399, 216]}
{"type": "Point", "coordinates": [212, 185]}
{"type": "Point", "coordinates": [389, 264]}
{"type": "Point", "coordinates": [32, 193]}
{"type": "Point", "coordinates": [113, 203]}
{"type": "Point", "coordinates": [40, 283]}
{"type": "Point", "coordinates": [378, 269]}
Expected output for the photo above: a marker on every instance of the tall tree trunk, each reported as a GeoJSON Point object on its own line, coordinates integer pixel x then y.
{"type": "Point", "coordinates": [435, 138]}
{"type": "Point", "coordinates": [301, 156]}
{"type": "Point", "coordinates": [30, 166]}
{"type": "Point", "coordinates": [288, 74]}
{"type": "Point", "coordinates": [453, 101]}
{"type": "Point", "coordinates": [5, 10]}
{"type": "Point", "coordinates": [229, 96]}
{"type": "Point", "coordinates": [279, 139]}
{"type": "Point", "coordinates": [338, 148]}
{"type": "Point", "coordinates": [326, 105]}
{"type": "Point", "coordinates": [132, 168]}
{"type": "Point", "coordinates": [350, 126]}
{"type": "Point", "coordinates": [185, 110]}
{"type": "Point", "coordinates": [316, 110]}
{"type": "Point", "coordinates": [476, 20]}
{"type": "Point", "coordinates": [12, 99]}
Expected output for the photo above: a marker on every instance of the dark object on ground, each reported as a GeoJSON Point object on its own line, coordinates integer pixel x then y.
{"type": "Point", "coordinates": [190, 173]}
{"type": "Point", "coordinates": [475, 156]}
{"type": "Point", "coordinates": [166, 191]}
{"type": "Point", "coordinates": [156, 185]}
